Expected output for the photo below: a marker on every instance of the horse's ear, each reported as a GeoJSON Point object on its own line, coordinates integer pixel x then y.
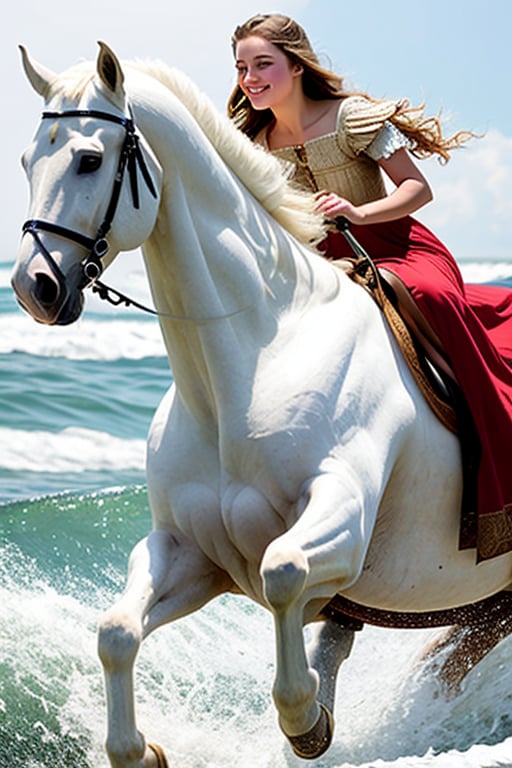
{"type": "Point", "coordinates": [109, 69]}
{"type": "Point", "coordinates": [40, 77]}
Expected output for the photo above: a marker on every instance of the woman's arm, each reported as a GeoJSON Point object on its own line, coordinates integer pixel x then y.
{"type": "Point", "coordinates": [412, 192]}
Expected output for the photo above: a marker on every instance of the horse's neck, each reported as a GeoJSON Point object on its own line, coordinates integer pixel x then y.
{"type": "Point", "coordinates": [223, 265]}
{"type": "Point", "coordinates": [203, 273]}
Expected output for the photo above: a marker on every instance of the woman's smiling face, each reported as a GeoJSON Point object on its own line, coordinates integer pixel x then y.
{"type": "Point", "coordinates": [265, 74]}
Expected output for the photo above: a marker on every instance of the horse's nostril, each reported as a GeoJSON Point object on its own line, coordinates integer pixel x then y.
{"type": "Point", "coordinates": [46, 290]}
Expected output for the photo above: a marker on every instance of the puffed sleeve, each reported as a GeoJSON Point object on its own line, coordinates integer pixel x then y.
{"type": "Point", "coordinates": [361, 119]}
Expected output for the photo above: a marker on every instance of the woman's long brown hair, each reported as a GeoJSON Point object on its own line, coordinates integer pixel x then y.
{"type": "Point", "coordinates": [425, 134]}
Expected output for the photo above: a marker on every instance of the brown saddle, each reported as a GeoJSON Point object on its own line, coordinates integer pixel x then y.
{"type": "Point", "coordinates": [418, 326]}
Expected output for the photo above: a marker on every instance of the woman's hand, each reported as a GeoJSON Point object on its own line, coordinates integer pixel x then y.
{"type": "Point", "coordinates": [332, 205]}
{"type": "Point", "coordinates": [411, 192]}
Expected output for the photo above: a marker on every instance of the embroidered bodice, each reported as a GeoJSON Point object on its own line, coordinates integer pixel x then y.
{"type": "Point", "coordinates": [345, 161]}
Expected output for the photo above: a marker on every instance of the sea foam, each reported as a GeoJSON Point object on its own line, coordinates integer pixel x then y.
{"type": "Point", "coordinates": [71, 450]}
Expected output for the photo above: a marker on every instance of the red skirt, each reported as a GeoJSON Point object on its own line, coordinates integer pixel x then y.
{"type": "Point", "coordinates": [474, 324]}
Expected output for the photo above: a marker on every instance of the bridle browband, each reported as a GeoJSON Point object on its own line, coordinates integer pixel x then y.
{"type": "Point", "coordinates": [130, 158]}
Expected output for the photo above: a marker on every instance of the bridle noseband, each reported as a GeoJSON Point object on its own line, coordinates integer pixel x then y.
{"type": "Point", "coordinates": [130, 158]}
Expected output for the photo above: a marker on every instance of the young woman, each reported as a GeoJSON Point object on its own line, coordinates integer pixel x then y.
{"type": "Point", "coordinates": [338, 143]}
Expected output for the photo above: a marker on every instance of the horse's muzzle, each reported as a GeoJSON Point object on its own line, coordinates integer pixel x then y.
{"type": "Point", "coordinates": [43, 292]}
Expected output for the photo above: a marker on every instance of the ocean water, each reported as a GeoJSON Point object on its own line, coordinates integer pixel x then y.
{"type": "Point", "coordinates": [76, 404]}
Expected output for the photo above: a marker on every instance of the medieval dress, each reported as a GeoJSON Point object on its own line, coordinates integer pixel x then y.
{"type": "Point", "coordinates": [473, 322]}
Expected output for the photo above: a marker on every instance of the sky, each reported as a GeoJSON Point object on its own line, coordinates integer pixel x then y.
{"type": "Point", "coordinates": [455, 55]}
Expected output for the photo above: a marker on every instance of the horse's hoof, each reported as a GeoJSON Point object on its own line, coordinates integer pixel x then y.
{"type": "Point", "coordinates": [161, 760]}
{"type": "Point", "coordinates": [317, 740]}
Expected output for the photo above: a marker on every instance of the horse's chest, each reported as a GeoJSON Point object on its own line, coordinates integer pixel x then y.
{"type": "Point", "coordinates": [232, 528]}
{"type": "Point", "coordinates": [249, 520]}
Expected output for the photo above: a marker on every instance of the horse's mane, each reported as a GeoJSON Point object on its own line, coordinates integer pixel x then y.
{"type": "Point", "coordinates": [260, 172]}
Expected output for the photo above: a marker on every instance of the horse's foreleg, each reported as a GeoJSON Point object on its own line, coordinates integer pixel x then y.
{"type": "Point", "coordinates": [319, 556]}
{"type": "Point", "coordinates": [307, 725]}
{"type": "Point", "coordinates": [166, 579]}
{"type": "Point", "coordinates": [284, 583]}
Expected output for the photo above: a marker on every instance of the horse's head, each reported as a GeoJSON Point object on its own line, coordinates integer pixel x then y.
{"type": "Point", "coordinates": [94, 187]}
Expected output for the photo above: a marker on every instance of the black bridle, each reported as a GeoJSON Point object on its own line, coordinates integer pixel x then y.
{"type": "Point", "coordinates": [130, 158]}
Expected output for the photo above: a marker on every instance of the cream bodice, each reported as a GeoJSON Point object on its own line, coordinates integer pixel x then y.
{"type": "Point", "coordinates": [340, 162]}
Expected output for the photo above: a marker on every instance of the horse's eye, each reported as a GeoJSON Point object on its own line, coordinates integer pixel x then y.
{"type": "Point", "coordinates": [89, 163]}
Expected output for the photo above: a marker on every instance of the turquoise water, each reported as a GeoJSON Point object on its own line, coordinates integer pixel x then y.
{"type": "Point", "coordinates": [61, 557]}
{"type": "Point", "coordinates": [76, 404]}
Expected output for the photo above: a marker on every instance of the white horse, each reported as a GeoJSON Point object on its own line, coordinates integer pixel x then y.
{"type": "Point", "coordinates": [294, 458]}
